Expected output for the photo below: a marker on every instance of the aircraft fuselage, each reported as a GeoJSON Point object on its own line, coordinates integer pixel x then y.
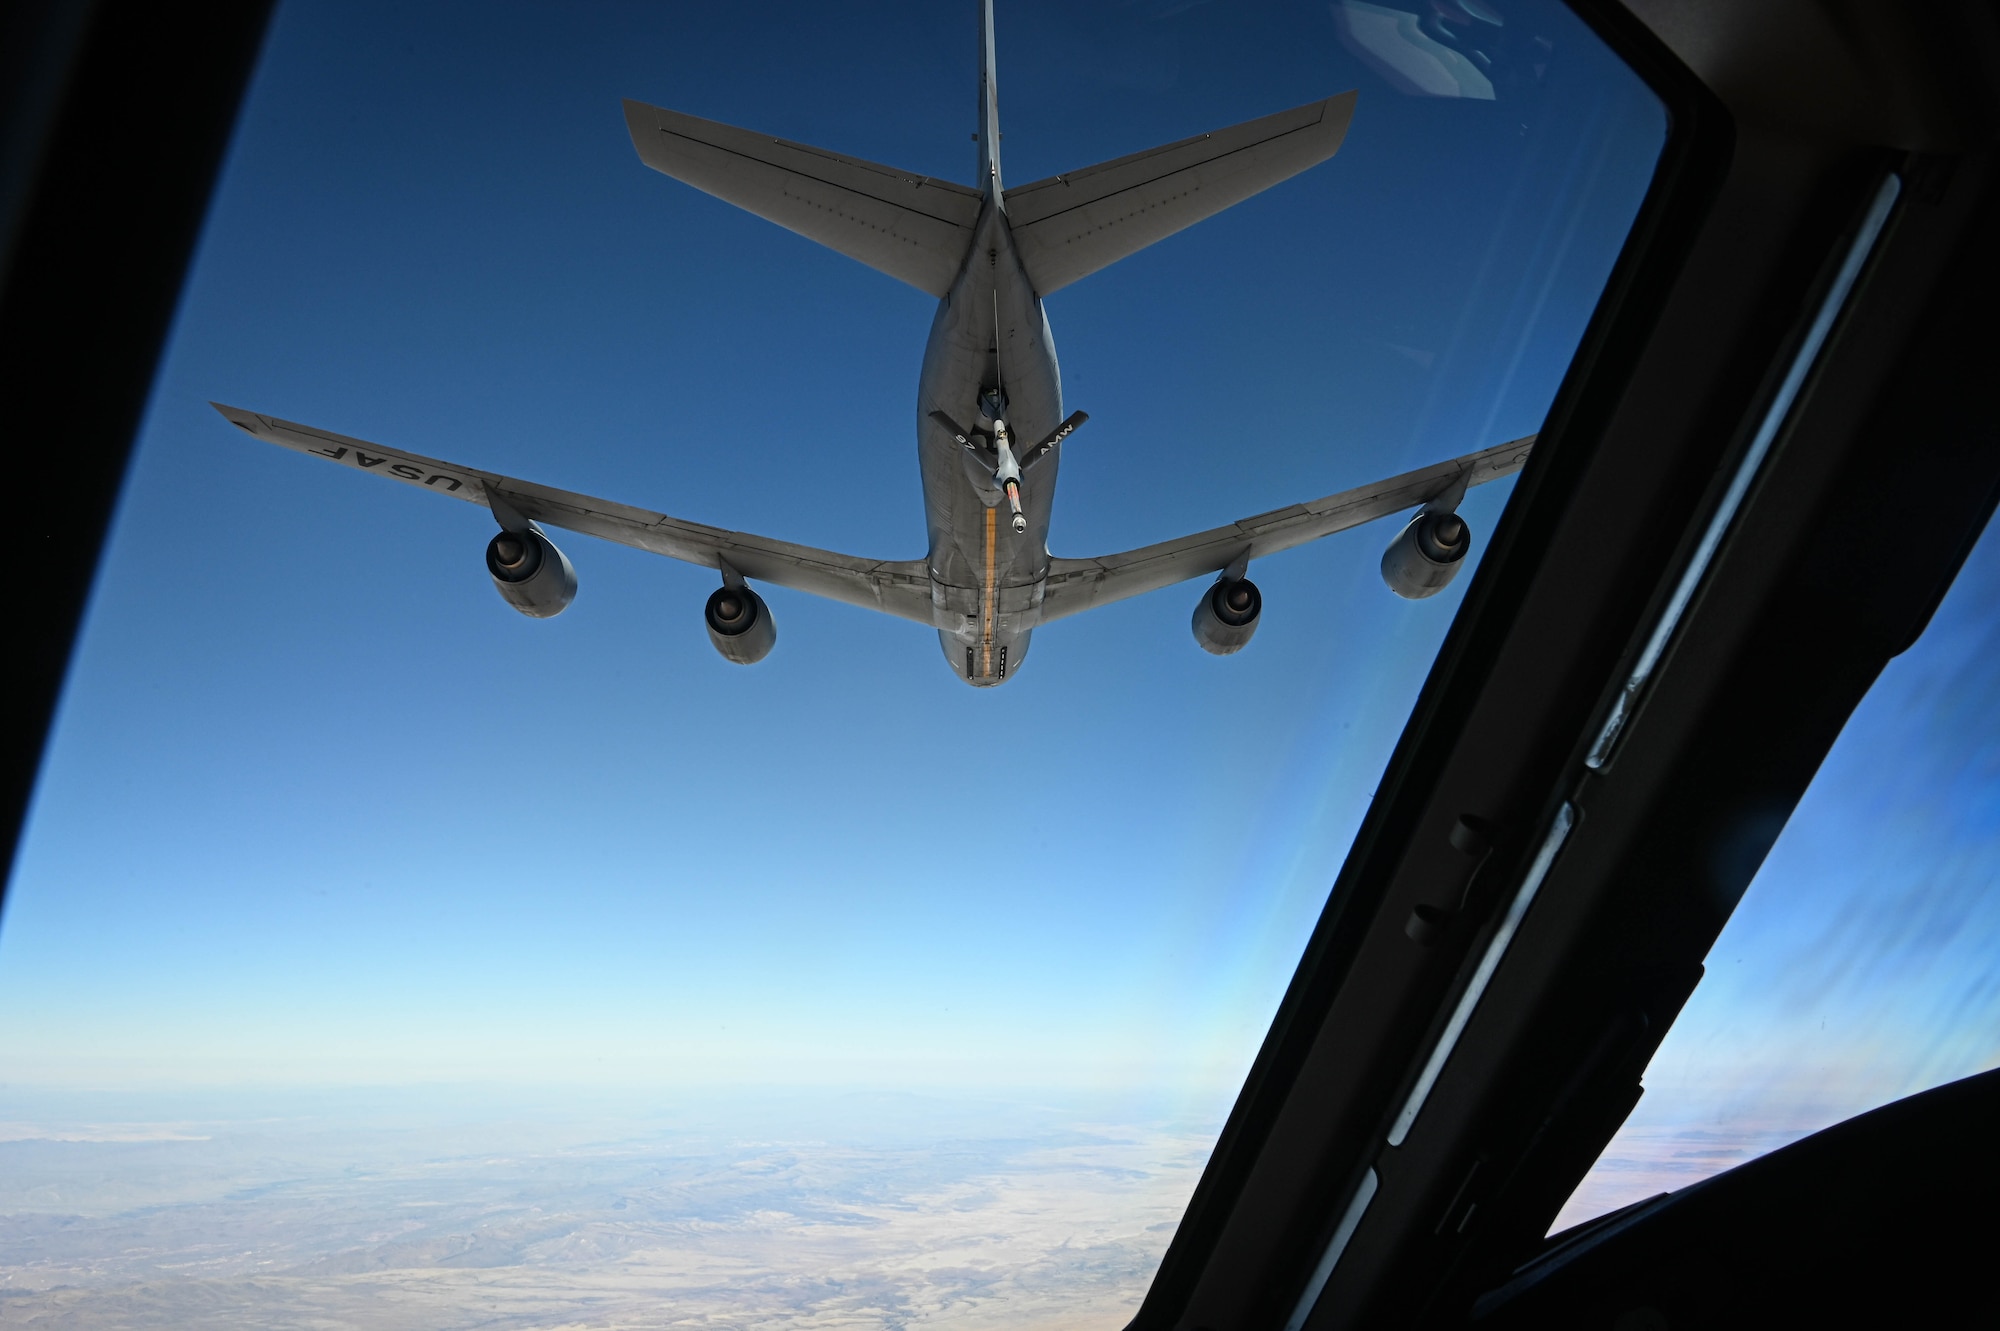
{"type": "Point", "coordinates": [990, 340]}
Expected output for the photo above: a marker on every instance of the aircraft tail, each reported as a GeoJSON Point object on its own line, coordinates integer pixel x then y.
{"type": "Point", "coordinates": [1069, 226]}
{"type": "Point", "coordinates": [989, 108]}
{"type": "Point", "coordinates": [917, 228]}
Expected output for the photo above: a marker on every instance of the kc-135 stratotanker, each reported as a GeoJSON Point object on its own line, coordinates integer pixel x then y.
{"type": "Point", "coordinates": [990, 421]}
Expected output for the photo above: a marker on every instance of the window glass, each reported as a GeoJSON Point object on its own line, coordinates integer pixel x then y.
{"type": "Point", "coordinates": [377, 956]}
{"type": "Point", "coordinates": [1863, 963]}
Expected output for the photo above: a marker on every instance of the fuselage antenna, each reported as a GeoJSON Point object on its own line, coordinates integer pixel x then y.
{"type": "Point", "coordinates": [999, 374]}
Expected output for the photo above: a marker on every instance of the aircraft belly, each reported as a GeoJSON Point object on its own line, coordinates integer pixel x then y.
{"type": "Point", "coordinates": [989, 332]}
{"type": "Point", "coordinates": [966, 660]}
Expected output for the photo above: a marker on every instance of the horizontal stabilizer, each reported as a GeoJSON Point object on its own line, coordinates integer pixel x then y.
{"type": "Point", "coordinates": [897, 587]}
{"type": "Point", "coordinates": [915, 228]}
{"type": "Point", "coordinates": [1069, 226]}
{"type": "Point", "coordinates": [1076, 585]}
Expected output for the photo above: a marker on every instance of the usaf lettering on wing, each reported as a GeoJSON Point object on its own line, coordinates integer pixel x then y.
{"type": "Point", "coordinates": [403, 469]}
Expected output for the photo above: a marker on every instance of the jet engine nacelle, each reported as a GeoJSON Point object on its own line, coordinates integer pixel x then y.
{"type": "Point", "coordinates": [1425, 557]}
{"type": "Point", "coordinates": [740, 625]}
{"type": "Point", "coordinates": [531, 574]}
{"type": "Point", "coordinates": [1226, 616]}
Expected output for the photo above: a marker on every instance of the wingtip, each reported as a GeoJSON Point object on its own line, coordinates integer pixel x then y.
{"type": "Point", "coordinates": [640, 114]}
{"type": "Point", "coordinates": [236, 416]}
{"type": "Point", "coordinates": [642, 119]}
{"type": "Point", "coordinates": [1337, 117]}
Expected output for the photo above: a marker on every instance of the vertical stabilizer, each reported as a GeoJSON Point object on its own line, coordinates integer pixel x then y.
{"type": "Point", "coordinates": [989, 108]}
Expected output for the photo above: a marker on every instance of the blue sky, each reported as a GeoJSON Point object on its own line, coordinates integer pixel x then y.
{"type": "Point", "coordinates": [320, 809]}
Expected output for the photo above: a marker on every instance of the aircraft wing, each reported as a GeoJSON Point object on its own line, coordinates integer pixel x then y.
{"type": "Point", "coordinates": [1069, 226]}
{"type": "Point", "coordinates": [915, 228]}
{"type": "Point", "coordinates": [897, 587]}
{"type": "Point", "coordinates": [1076, 585]}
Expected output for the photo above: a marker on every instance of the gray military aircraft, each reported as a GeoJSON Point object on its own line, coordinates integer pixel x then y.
{"type": "Point", "coordinates": [990, 418]}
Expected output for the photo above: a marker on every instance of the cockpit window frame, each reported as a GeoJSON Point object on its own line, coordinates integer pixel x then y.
{"type": "Point", "coordinates": [1692, 163]}
{"type": "Point", "coordinates": [1742, 197]}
